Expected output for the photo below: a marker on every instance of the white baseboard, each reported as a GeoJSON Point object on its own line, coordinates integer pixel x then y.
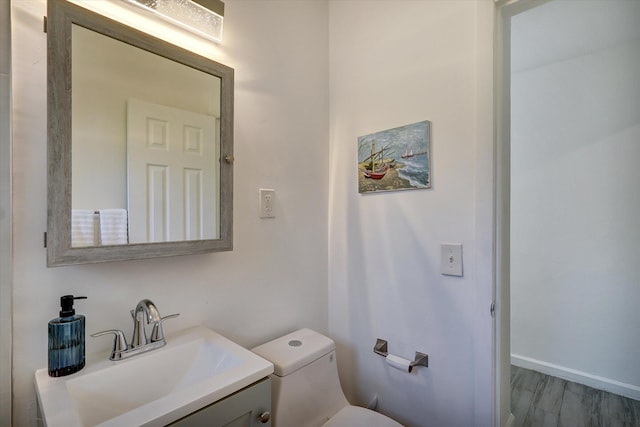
{"type": "Point", "coordinates": [600, 383]}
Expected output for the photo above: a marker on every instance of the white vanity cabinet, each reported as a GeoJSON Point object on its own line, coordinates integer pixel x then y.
{"type": "Point", "coordinates": [249, 407]}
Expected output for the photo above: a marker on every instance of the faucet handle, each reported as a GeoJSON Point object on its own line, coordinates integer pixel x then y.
{"type": "Point", "coordinates": [156, 333]}
{"type": "Point", "coordinates": [119, 343]}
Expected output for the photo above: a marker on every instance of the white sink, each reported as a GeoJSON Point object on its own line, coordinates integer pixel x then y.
{"type": "Point", "coordinates": [196, 368]}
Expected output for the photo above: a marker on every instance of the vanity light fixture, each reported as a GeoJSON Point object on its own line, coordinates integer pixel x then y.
{"type": "Point", "coordinates": [203, 17]}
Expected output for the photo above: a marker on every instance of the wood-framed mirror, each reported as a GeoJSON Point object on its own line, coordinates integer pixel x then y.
{"type": "Point", "coordinates": [140, 144]}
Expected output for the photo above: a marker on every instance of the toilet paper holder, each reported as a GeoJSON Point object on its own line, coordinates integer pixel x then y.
{"type": "Point", "coordinates": [420, 359]}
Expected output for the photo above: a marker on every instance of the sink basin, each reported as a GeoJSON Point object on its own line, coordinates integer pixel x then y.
{"type": "Point", "coordinates": [196, 368]}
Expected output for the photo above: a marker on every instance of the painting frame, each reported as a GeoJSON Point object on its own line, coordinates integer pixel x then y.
{"type": "Point", "coordinates": [395, 159]}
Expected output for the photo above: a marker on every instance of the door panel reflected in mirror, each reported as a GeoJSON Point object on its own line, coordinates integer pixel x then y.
{"type": "Point", "coordinates": [137, 128]}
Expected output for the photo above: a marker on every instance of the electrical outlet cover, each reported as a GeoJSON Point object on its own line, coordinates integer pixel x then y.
{"type": "Point", "coordinates": [267, 203]}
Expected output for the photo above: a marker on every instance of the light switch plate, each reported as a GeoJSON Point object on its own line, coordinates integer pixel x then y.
{"type": "Point", "coordinates": [451, 259]}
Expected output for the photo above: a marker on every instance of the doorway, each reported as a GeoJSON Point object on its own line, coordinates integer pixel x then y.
{"type": "Point", "coordinates": [570, 234]}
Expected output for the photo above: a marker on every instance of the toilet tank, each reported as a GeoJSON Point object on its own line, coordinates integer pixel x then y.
{"type": "Point", "coordinates": [306, 390]}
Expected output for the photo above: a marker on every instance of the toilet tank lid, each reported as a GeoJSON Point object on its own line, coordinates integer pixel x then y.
{"type": "Point", "coordinates": [295, 350]}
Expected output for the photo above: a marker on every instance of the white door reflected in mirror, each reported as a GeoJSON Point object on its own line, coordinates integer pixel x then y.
{"type": "Point", "coordinates": [170, 169]}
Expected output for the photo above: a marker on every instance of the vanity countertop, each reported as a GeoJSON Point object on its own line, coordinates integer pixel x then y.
{"type": "Point", "coordinates": [196, 368]}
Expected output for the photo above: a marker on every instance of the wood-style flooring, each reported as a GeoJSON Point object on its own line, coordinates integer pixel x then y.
{"type": "Point", "coordinates": [539, 400]}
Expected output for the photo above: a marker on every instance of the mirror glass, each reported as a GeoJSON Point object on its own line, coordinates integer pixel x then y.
{"type": "Point", "coordinates": [149, 128]}
{"type": "Point", "coordinates": [140, 144]}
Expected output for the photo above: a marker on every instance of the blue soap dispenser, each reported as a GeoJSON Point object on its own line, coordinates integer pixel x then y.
{"type": "Point", "coordinates": [66, 340]}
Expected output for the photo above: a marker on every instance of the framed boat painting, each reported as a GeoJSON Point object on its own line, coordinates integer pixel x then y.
{"type": "Point", "coordinates": [395, 159]}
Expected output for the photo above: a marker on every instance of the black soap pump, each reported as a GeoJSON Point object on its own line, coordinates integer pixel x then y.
{"type": "Point", "coordinates": [66, 340]}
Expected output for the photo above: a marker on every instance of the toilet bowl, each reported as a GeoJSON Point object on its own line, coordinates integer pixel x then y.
{"type": "Point", "coordinates": [305, 388]}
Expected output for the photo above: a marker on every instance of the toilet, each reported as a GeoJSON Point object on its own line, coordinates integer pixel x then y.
{"type": "Point", "coordinates": [305, 388]}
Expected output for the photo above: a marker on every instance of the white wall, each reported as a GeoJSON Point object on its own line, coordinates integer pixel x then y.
{"type": "Point", "coordinates": [275, 279]}
{"type": "Point", "coordinates": [393, 63]}
{"type": "Point", "coordinates": [575, 234]}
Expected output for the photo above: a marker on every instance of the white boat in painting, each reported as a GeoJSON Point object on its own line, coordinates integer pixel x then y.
{"type": "Point", "coordinates": [408, 154]}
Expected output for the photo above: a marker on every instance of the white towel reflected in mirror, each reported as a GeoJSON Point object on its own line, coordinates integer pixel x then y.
{"type": "Point", "coordinates": [113, 227]}
{"type": "Point", "coordinates": [83, 228]}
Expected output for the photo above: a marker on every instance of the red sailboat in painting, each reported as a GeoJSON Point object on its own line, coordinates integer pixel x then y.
{"type": "Point", "coordinates": [376, 171]}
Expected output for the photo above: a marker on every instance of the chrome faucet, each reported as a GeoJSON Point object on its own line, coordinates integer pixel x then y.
{"type": "Point", "coordinates": [144, 314]}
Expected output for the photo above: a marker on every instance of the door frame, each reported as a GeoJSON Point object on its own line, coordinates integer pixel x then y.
{"type": "Point", "coordinates": [6, 236]}
{"type": "Point", "coordinates": [505, 10]}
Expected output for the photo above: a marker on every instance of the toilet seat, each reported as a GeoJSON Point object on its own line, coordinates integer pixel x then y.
{"type": "Point", "coordinates": [355, 416]}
